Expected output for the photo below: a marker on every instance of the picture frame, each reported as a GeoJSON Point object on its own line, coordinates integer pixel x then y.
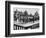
{"type": "Point", "coordinates": [8, 10]}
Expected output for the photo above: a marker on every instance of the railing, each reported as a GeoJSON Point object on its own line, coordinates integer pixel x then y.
{"type": "Point", "coordinates": [17, 27]}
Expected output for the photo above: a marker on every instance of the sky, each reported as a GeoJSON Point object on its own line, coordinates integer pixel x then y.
{"type": "Point", "coordinates": [29, 10]}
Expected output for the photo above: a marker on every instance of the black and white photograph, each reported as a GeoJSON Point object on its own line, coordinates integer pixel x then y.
{"type": "Point", "coordinates": [23, 18]}
{"type": "Point", "coordinates": [26, 18]}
